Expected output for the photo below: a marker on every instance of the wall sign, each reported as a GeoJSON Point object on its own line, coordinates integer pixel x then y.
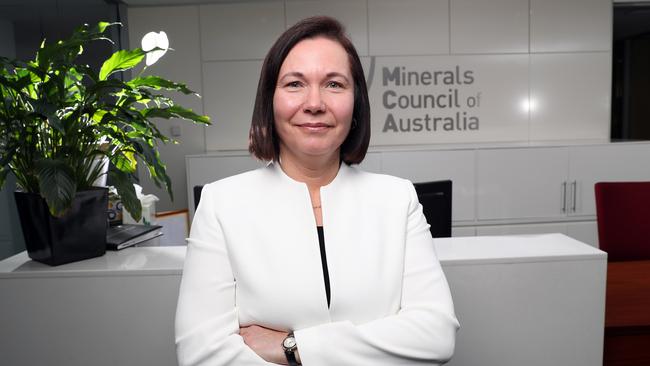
{"type": "Point", "coordinates": [440, 99]}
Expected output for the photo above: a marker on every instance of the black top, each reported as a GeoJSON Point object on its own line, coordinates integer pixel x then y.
{"type": "Point", "coordinates": [323, 259]}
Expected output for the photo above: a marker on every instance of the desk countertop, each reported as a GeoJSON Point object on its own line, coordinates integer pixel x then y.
{"type": "Point", "coordinates": [134, 261]}
{"type": "Point", "coordinates": [514, 249]}
{"type": "Point", "coordinates": [143, 261]}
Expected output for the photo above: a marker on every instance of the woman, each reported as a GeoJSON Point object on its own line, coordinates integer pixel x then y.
{"type": "Point", "coordinates": [309, 260]}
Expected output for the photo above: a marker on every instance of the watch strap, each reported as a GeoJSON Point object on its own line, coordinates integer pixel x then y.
{"type": "Point", "coordinates": [291, 358]}
{"type": "Point", "coordinates": [290, 352]}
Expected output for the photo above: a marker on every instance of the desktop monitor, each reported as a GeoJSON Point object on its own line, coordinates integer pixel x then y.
{"type": "Point", "coordinates": [435, 198]}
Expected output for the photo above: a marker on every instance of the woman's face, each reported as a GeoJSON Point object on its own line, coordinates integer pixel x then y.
{"type": "Point", "coordinates": [314, 99]}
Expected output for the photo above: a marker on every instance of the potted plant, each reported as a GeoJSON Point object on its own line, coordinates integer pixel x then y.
{"type": "Point", "coordinates": [60, 121]}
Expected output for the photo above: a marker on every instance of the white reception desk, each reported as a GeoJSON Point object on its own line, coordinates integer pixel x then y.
{"type": "Point", "coordinates": [521, 300]}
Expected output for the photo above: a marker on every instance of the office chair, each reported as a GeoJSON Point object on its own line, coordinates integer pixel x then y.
{"type": "Point", "coordinates": [623, 215]}
{"type": "Point", "coordinates": [435, 198]}
{"type": "Point", "coordinates": [197, 195]}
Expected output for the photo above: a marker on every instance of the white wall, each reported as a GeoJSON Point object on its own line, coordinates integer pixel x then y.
{"type": "Point", "coordinates": [551, 55]}
{"type": "Point", "coordinates": [182, 65]}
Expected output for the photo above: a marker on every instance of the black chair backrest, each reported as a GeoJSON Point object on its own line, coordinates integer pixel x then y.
{"type": "Point", "coordinates": [197, 195]}
{"type": "Point", "coordinates": [435, 198]}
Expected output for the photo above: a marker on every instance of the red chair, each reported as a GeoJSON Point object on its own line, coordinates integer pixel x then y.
{"type": "Point", "coordinates": [623, 211]}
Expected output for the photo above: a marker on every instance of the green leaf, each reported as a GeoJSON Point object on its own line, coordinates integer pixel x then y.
{"type": "Point", "coordinates": [47, 110]}
{"type": "Point", "coordinates": [124, 186]}
{"type": "Point", "coordinates": [157, 169]}
{"type": "Point", "coordinates": [103, 88]}
{"type": "Point", "coordinates": [56, 184]}
{"type": "Point", "coordinates": [17, 83]}
{"type": "Point", "coordinates": [158, 113]}
{"type": "Point", "coordinates": [156, 82]}
{"type": "Point", "coordinates": [121, 60]}
{"type": "Point", "coordinates": [188, 114]}
{"type": "Point", "coordinates": [101, 26]}
{"type": "Point", "coordinates": [88, 72]}
{"type": "Point", "coordinates": [125, 161]}
{"type": "Point", "coordinates": [177, 112]}
{"type": "Point", "coordinates": [56, 123]}
{"type": "Point", "coordinates": [98, 116]}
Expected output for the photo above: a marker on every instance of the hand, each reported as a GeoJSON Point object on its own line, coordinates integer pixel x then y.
{"type": "Point", "coordinates": [267, 343]}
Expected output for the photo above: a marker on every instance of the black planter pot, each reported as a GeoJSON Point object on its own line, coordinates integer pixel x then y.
{"type": "Point", "coordinates": [79, 234]}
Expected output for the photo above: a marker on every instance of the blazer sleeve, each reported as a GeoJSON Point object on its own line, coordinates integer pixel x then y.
{"type": "Point", "coordinates": [422, 332]}
{"type": "Point", "coordinates": [207, 326]}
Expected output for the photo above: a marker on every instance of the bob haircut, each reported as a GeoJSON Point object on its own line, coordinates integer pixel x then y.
{"type": "Point", "coordinates": [263, 141]}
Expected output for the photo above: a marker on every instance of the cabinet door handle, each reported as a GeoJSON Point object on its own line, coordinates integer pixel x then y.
{"type": "Point", "coordinates": [564, 197]}
{"type": "Point", "coordinates": [574, 193]}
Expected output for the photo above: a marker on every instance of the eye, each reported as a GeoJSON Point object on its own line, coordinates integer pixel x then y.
{"type": "Point", "coordinates": [334, 85]}
{"type": "Point", "coordinates": [293, 84]}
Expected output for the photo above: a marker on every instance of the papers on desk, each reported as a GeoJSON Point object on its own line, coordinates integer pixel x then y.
{"type": "Point", "coordinates": [122, 236]}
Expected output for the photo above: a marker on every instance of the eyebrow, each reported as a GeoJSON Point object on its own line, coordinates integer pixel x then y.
{"type": "Point", "coordinates": [328, 75]}
{"type": "Point", "coordinates": [333, 74]}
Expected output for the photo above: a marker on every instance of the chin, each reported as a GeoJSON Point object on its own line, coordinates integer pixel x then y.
{"type": "Point", "coordinates": [319, 152]}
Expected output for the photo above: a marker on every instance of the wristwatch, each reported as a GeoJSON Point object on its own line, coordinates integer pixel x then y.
{"type": "Point", "coordinates": [289, 345]}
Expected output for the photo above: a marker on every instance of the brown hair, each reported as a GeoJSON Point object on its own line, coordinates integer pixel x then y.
{"type": "Point", "coordinates": [263, 141]}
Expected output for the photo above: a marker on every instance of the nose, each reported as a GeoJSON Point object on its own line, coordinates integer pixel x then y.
{"type": "Point", "coordinates": [314, 102]}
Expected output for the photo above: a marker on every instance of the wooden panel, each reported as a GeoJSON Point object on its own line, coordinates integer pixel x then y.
{"type": "Point", "coordinates": [628, 294]}
{"type": "Point", "coordinates": [627, 349]}
{"type": "Point", "coordinates": [627, 314]}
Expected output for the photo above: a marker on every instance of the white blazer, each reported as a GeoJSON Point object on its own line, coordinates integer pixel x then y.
{"type": "Point", "coordinates": [253, 257]}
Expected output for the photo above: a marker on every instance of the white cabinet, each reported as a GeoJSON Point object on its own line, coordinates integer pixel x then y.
{"type": "Point", "coordinates": [551, 189]}
{"type": "Point", "coordinates": [458, 231]}
{"type": "Point", "coordinates": [553, 182]}
{"type": "Point", "coordinates": [589, 165]}
{"type": "Point", "coordinates": [584, 231]}
{"type": "Point", "coordinates": [521, 183]}
{"type": "Point", "coordinates": [432, 165]}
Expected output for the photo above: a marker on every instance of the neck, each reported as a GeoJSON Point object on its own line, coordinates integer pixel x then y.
{"type": "Point", "coordinates": [315, 173]}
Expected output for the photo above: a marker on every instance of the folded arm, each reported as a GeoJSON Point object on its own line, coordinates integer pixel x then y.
{"type": "Point", "coordinates": [422, 332]}
{"type": "Point", "coordinates": [207, 326]}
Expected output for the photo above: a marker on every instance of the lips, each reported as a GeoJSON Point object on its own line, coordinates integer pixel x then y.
{"type": "Point", "coordinates": [314, 126]}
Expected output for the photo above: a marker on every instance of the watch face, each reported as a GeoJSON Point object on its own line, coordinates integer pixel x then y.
{"type": "Point", "coordinates": [289, 342]}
